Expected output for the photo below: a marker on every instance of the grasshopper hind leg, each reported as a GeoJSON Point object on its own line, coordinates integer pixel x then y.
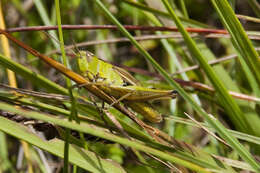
{"type": "Point", "coordinates": [146, 110]}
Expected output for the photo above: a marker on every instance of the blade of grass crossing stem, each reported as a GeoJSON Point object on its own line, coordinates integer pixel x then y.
{"type": "Point", "coordinates": [230, 84]}
{"type": "Point", "coordinates": [219, 128]}
{"type": "Point", "coordinates": [208, 54]}
{"type": "Point", "coordinates": [35, 78]}
{"type": "Point", "coordinates": [239, 135]}
{"type": "Point", "coordinates": [251, 79]}
{"type": "Point", "coordinates": [65, 62]}
{"type": "Point", "coordinates": [230, 106]}
{"type": "Point", "coordinates": [68, 82]}
{"type": "Point", "coordinates": [73, 116]}
{"type": "Point", "coordinates": [171, 52]}
{"type": "Point", "coordinates": [239, 38]}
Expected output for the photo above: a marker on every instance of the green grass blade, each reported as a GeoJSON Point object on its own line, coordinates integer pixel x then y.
{"type": "Point", "coordinates": [35, 78]}
{"type": "Point", "coordinates": [239, 38]}
{"type": "Point", "coordinates": [255, 6]}
{"type": "Point", "coordinates": [68, 83]}
{"type": "Point", "coordinates": [64, 58]}
{"type": "Point", "coordinates": [5, 164]}
{"type": "Point", "coordinates": [184, 9]}
{"type": "Point", "coordinates": [82, 158]}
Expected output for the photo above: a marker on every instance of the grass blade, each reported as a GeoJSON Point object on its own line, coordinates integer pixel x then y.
{"type": "Point", "coordinates": [35, 78]}
{"type": "Point", "coordinates": [82, 158]}
{"type": "Point", "coordinates": [255, 6]}
{"type": "Point", "coordinates": [239, 39]}
{"type": "Point", "coordinates": [68, 83]}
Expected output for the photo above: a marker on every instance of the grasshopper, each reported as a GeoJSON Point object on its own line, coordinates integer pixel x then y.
{"type": "Point", "coordinates": [137, 97]}
{"type": "Point", "coordinates": [121, 85]}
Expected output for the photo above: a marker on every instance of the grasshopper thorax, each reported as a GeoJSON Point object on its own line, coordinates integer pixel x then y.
{"type": "Point", "coordinates": [97, 70]}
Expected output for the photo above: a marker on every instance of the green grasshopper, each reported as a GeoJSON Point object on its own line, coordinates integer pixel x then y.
{"type": "Point", "coordinates": [115, 81]}
{"type": "Point", "coordinates": [121, 85]}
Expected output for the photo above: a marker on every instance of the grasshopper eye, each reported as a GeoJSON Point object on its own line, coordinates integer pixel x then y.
{"type": "Point", "coordinates": [174, 92]}
{"type": "Point", "coordinates": [88, 53]}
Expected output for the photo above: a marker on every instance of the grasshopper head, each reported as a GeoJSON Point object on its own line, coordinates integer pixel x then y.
{"type": "Point", "coordinates": [85, 54]}
{"type": "Point", "coordinates": [82, 61]}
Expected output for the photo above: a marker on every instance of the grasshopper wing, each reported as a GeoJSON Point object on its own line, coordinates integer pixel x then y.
{"type": "Point", "coordinates": [126, 76]}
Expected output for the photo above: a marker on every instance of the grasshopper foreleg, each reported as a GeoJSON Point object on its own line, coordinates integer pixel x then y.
{"type": "Point", "coordinates": [104, 111]}
{"type": "Point", "coordinates": [100, 111]}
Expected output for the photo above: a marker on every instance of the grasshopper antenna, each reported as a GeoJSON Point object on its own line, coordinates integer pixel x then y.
{"type": "Point", "coordinates": [51, 37]}
{"type": "Point", "coordinates": [88, 53]}
{"type": "Point", "coordinates": [75, 46]}
{"type": "Point", "coordinates": [57, 41]}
